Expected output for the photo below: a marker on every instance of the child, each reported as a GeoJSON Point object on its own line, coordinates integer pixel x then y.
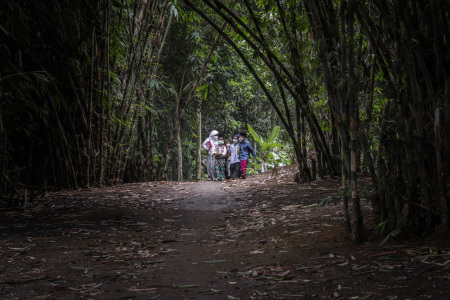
{"type": "Point", "coordinates": [244, 156]}
{"type": "Point", "coordinates": [219, 152]}
{"type": "Point", "coordinates": [208, 146]}
{"type": "Point", "coordinates": [227, 158]}
{"type": "Point", "coordinates": [235, 163]}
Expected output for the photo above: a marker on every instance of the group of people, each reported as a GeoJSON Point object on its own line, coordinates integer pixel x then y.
{"type": "Point", "coordinates": [227, 159]}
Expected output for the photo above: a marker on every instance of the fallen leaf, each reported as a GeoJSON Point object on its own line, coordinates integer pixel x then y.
{"type": "Point", "coordinates": [211, 292]}
{"type": "Point", "coordinates": [156, 261]}
{"type": "Point", "coordinates": [214, 261]}
{"type": "Point", "coordinates": [141, 290]}
{"type": "Point", "coordinates": [284, 273]}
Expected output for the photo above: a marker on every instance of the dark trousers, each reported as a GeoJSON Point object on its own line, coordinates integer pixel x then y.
{"type": "Point", "coordinates": [227, 170]}
{"type": "Point", "coordinates": [235, 170]}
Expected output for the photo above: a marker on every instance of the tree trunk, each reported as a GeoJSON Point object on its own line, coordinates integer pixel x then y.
{"type": "Point", "coordinates": [344, 188]}
{"type": "Point", "coordinates": [303, 139]}
{"type": "Point", "coordinates": [329, 82]}
{"type": "Point", "coordinates": [165, 175]}
{"type": "Point", "coordinates": [298, 115]}
{"type": "Point", "coordinates": [179, 148]}
{"type": "Point", "coordinates": [102, 159]}
{"type": "Point", "coordinates": [89, 111]}
{"type": "Point", "coordinates": [198, 173]}
{"type": "Point", "coordinates": [180, 156]}
{"type": "Point", "coordinates": [174, 166]}
{"type": "Point", "coordinates": [355, 212]}
{"type": "Point", "coordinates": [132, 79]}
{"type": "Point", "coordinates": [444, 150]}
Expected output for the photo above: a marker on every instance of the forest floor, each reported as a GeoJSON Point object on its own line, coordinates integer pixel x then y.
{"type": "Point", "coordinates": [259, 238]}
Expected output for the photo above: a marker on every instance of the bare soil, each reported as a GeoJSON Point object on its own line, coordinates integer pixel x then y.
{"type": "Point", "coordinates": [259, 238]}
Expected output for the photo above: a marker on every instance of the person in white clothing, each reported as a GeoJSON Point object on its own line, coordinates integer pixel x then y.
{"type": "Point", "coordinates": [209, 145]}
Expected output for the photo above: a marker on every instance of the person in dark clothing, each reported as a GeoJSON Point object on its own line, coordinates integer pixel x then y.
{"type": "Point", "coordinates": [245, 150]}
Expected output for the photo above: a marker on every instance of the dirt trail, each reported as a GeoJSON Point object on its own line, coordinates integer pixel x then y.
{"type": "Point", "coordinates": [261, 238]}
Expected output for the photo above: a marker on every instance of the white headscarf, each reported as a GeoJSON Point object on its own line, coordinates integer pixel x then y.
{"type": "Point", "coordinates": [213, 133]}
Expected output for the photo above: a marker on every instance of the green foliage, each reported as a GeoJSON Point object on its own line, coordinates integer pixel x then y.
{"type": "Point", "coordinates": [268, 158]}
{"type": "Point", "coordinates": [388, 237]}
{"type": "Point", "coordinates": [270, 142]}
{"type": "Point", "coordinates": [256, 136]}
{"type": "Point", "coordinates": [324, 201]}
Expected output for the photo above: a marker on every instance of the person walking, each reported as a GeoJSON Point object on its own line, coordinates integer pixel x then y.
{"type": "Point", "coordinates": [209, 145]}
{"type": "Point", "coordinates": [235, 163]}
{"type": "Point", "coordinates": [227, 159]}
{"type": "Point", "coordinates": [219, 152]}
{"type": "Point", "coordinates": [245, 150]}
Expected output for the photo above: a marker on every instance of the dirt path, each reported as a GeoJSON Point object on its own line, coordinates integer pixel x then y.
{"type": "Point", "coordinates": [261, 238]}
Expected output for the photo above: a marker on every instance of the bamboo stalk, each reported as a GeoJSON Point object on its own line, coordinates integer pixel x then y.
{"type": "Point", "coordinates": [199, 141]}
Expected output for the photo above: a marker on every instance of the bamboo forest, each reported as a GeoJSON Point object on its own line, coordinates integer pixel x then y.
{"type": "Point", "coordinates": [105, 108]}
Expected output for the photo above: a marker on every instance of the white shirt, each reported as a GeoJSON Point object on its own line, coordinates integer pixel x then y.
{"type": "Point", "coordinates": [234, 154]}
{"type": "Point", "coordinates": [219, 149]}
{"type": "Point", "coordinates": [209, 143]}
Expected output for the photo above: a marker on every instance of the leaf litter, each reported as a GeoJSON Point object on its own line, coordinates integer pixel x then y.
{"type": "Point", "coordinates": [261, 237]}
